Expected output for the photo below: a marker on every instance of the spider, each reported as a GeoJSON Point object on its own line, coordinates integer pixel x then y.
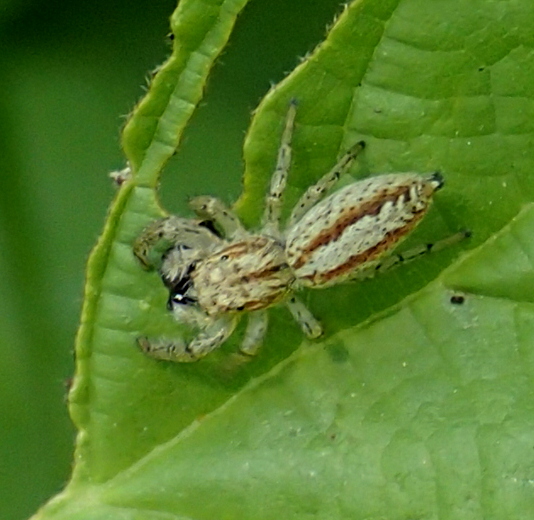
{"type": "Point", "coordinates": [215, 278]}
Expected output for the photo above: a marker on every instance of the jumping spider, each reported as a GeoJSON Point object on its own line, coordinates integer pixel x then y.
{"type": "Point", "coordinates": [214, 279]}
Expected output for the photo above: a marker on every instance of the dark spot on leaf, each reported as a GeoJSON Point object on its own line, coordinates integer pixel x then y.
{"type": "Point", "coordinates": [457, 299]}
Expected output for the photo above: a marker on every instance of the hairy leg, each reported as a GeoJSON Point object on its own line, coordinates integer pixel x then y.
{"type": "Point", "coordinates": [395, 260]}
{"type": "Point", "coordinates": [307, 321]}
{"type": "Point", "coordinates": [255, 333]}
{"type": "Point", "coordinates": [161, 235]}
{"type": "Point", "coordinates": [208, 339]}
{"type": "Point", "coordinates": [273, 201]}
{"type": "Point", "coordinates": [211, 208]}
{"type": "Point", "coordinates": [314, 193]}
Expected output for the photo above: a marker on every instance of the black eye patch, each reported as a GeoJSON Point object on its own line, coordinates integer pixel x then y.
{"type": "Point", "coordinates": [179, 299]}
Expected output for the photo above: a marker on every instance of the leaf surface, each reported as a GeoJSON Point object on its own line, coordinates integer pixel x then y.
{"type": "Point", "coordinates": [415, 405]}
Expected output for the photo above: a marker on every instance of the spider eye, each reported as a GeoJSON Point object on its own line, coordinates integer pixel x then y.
{"type": "Point", "coordinates": [179, 299]}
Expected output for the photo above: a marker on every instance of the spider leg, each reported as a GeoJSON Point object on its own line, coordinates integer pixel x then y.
{"type": "Point", "coordinates": [166, 233]}
{"type": "Point", "coordinates": [255, 332]}
{"type": "Point", "coordinates": [208, 339]}
{"type": "Point", "coordinates": [314, 193]}
{"type": "Point", "coordinates": [394, 260]}
{"type": "Point", "coordinates": [211, 208]}
{"type": "Point", "coordinates": [273, 201]}
{"type": "Point", "coordinates": [307, 321]}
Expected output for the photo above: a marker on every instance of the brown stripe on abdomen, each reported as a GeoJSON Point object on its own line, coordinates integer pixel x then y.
{"type": "Point", "coordinates": [348, 218]}
{"type": "Point", "coordinates": [351, 264]}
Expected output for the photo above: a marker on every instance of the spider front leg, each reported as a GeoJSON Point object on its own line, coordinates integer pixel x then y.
{"type": "Point", "coordinates": [273, 201]}
{"type": "Point", "coordinates": [216, 332]}
{"type": "Point", "coordinates": [317, 191]}
{"type": "Point", "coordinates": [166, 233]}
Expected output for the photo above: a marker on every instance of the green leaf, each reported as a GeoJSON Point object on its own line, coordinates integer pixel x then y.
{"type": "Point", "coordinates": [418, 403]}
{"type": "Point", "coordinates": [426, 412]}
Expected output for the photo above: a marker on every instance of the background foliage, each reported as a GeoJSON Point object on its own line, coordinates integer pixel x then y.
{"type": "Point", "coordinates": [69, 70]}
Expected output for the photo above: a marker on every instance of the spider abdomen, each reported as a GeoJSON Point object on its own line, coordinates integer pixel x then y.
{"type": "Point", "coordinates": [352, 228]}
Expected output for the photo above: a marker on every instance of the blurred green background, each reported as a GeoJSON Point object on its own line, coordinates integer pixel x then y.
{"type": "Point", "coordinates": [70, 72]}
